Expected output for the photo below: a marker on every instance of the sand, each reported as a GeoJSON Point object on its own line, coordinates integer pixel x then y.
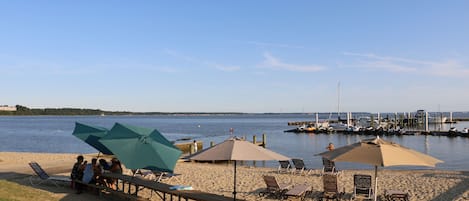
{"type": "Point", "coordinates": [218, 178]}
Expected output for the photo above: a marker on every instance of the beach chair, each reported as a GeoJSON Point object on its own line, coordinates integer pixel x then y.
{"type": "Point", "coordinates": [44, 176]}
{"type": "Point", "coordinates": [284, 167]}
{"type": "Point", "coordinates": [300, 166]}
{"type": "Point", "coordinates": [155, 175]}
{"type": "Point", "coordinates": [331, 188]}
{"type": "Point", "coordinates": [274, 188]}
{"type": "Point", "coordinates": [396, 195]}
{"type": "Point", "coordinates": [329, 166]}
{"type": "Point", "coordinates": [299, 191]}
{"type": "Point", "coordinates": [362, 187]}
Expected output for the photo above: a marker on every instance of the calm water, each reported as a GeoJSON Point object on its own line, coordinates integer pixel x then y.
{"type": "Point", "coordinates": [53, 134]}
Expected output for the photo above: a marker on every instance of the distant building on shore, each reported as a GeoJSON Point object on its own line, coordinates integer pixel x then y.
{"type": "Point", "coordinates": [7, 108]}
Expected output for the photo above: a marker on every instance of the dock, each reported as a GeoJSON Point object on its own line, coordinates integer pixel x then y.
{"type": "Point", "coordinates": [380, 132]}
{"type": "Point", "coordinates": [188, 147]}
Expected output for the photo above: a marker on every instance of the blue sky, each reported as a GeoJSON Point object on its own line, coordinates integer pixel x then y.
{"type": "Point", "coordinates": [236, 56]}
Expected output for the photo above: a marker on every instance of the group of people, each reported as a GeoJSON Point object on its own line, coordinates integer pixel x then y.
{"type": "Point", "coordinates": [92, 173]}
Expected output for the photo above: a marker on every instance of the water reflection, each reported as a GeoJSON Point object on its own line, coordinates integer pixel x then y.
{"type": "Point", "coordinates": [427, 145]}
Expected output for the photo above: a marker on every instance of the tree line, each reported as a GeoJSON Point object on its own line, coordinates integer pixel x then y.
{"type": "Point", "coordinates": [25, 111]}
{"type": "Point", "coordinates": [22, 110]}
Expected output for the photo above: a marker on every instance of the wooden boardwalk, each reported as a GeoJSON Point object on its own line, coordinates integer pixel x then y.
{"type": "Point", "coordinates": [164, 191]}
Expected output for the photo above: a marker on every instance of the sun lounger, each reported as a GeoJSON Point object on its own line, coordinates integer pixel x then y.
{"type": "Point", "coordinates": [300, 167]}
{"type": "Point", "coordinates": [396, 195]}
{"type": "Point", "coordinates": [329, 166]}
{"type": "Point", "coordinates": [299, 191]}
{"type": "Point", "coordinates": [274, 188]}
{"type": "Point", "coordinates": [284, 167]}
{"type": "Point", "coordinates": [331, 188]}
{"type": "Point", "coordinates": [44, 176]}
{"type": "Point", "coordinates": [362, 187]}
{"type": "Point", "coordinates": [154, 175]}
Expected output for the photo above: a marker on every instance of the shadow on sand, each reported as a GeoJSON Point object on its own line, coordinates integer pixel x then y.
{"type": "Point", "coordinates": [455, 192]}
{"type": "Point", "coordinates": [64, 188]}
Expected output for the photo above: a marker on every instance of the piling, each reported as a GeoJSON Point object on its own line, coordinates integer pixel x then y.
{"type": "Point", "coordinates": [264, 140]}
{"type": "Point", "coordinates": [426, 122]}
{"type": "Point", "coordinates": [263, 143]}
{"type": "Point", "coordinates": [317, 120]}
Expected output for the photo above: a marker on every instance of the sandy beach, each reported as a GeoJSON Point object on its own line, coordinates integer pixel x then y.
{"type": "Point", "coordinates": [218, 178]}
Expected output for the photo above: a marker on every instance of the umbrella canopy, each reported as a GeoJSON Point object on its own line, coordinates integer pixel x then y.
{"type": "Point", "coordinates": [141, 148]}
{"type": "Point", "coordinates": [91, 135]}
{"type": "Point", "coordinates": [379, 152]}
{"type": "Point", "coordinates": [237, 150]}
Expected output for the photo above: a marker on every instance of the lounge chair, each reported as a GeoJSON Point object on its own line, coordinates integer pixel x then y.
{"type": "Point", "coordinates": [329, 166]}
{"type": "Point", "coordinates": [300, 166]}
{"type": "Point", "coordinates": [44, 176]}
{"type": "Point", "coordinates": [274, 188]}
{"type": "Point", "coordinates": [284, 167]}
{"type": "Point", "coordinates": [396, 195]}
{"type": "Point", "coordinates": [362, 187]}
{"type": "Point", "coordinates": [155, 175]}
{"type": "Point", "coordinates": [331, 188]}
{"type": "Point", "coordinates": [299, 191]}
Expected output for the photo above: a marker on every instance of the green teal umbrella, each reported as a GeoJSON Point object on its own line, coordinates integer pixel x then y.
{"type": "Point", "coordinates": [91, 135]}
{"type": "Point", "coordinates": [141, 148]}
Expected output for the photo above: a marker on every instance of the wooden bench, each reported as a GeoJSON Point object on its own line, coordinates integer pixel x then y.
{"type": "Point", "coordinates": [164, 191]}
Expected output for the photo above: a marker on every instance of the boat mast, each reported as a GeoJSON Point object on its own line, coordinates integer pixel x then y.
{"type": "Point", "coordinates": [338, 100]}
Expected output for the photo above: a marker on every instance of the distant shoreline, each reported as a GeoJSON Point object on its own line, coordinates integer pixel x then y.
{"type": "Point", "coordinates": [25, 111]}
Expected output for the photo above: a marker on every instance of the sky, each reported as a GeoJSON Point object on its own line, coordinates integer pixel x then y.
{"type": "Point", "coordinates": [236, 56]}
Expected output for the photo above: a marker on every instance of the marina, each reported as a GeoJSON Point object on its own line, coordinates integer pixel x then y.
{"type": "Point", "coordinates": [418, 123]}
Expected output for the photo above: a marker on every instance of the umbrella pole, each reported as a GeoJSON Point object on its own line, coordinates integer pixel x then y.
{"type": "Point", "coordinates": [376, 182]}
{"type": "Point", "coordinates": [234, 191]}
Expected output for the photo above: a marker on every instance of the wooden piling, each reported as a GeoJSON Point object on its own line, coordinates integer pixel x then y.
{"type": "Point", "coordinates": [264, 140]}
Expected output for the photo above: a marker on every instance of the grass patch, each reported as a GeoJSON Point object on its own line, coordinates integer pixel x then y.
{"type": "Point", "coordinates": [10, 191]}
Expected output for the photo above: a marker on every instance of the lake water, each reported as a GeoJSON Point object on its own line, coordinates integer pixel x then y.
{"type": "Point", "coordinates": [54, 134]}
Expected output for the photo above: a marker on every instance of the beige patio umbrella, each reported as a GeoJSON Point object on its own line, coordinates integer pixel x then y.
{"type": "Point", "coordinates": [237, 150]}
{"type": "Point", "coordinates": [379, 152]}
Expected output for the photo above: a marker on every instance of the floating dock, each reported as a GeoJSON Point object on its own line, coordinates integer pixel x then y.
{"type": "Point", "coordinates": [389, 133]}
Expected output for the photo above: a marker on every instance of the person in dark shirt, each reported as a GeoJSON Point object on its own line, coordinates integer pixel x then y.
{"type": "Point", "coordinates": [104, 164]}
{"type": "Point", "coordinates": [77, 173]}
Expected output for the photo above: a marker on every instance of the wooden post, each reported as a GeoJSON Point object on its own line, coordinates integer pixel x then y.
{"type": "Point", "coordinates": [379, 118]}
{"type": "Point", "coordinates": [212, 144]}
{"type": "Point", "coordinates": [426, 121]}
{"type": "Point", "coordinates": [254, 139]}
{"type": "Point", "coordinates": [317, 120]}
{"type": "Point", "coordinates": [264, 140]}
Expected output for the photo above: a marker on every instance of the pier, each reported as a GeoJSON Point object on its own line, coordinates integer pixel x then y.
{"type": "Point", "coordinates": [188, 147]}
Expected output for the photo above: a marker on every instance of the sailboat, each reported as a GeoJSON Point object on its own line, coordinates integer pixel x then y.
{"type": "Point", "coordinates": [339, 126]}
